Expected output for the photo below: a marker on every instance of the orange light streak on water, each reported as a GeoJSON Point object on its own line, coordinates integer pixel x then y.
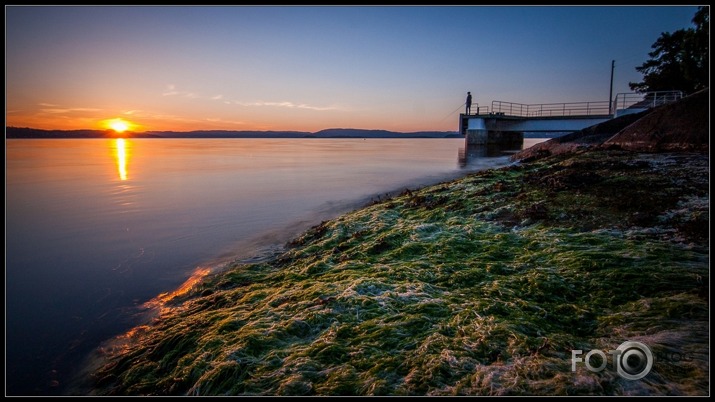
{"type": "Point", "coordinates": [158, 304]}
{"type": "Point", "coordinates": [161, 300]}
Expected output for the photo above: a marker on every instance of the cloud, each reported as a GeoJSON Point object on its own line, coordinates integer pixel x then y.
{"type": "Point", "coordinates": [219, 120]}
{"type": "Point", "coordinates": [289, 105]}
{"type": "Point", "coordinates": [181, 93]}
{"type": "Point", "coordinates": [55, 109]}
{"type": "Point", "coordinates": [182, 119]}
{"type": "Point", "coordinates": [172, 91]}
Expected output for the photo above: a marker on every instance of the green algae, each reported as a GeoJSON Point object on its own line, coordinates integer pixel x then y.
{"type": "Point", "coordinates": [478, 286]}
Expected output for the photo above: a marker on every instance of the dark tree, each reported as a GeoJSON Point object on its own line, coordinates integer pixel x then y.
{"type": "Point", "coordinates": [679, 60]}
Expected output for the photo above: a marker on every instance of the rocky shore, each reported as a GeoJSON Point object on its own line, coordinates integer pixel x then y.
{"type": "Point", "coordinates": [477, 286]}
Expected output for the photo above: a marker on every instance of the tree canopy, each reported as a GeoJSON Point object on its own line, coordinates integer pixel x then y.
{"type": "Point", "coordinates": [679, 60]}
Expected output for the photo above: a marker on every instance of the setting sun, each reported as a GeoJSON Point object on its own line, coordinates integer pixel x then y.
{"type": "Point", "coordinates": [118, 125]}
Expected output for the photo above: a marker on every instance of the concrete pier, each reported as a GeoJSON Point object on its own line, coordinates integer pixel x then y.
{"type": "Point", "coordinates": [475, 130]}
{"type": "Point", "coordinates": [505, 123]}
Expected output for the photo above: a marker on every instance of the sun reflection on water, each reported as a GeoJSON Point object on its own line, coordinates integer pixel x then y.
{"type": "Point", "coordinates": [121, 148]}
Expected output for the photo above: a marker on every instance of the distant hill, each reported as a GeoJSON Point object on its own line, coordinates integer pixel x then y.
{"type": "Point", "coordinates": [358, 133]}
{"type": "Point", "coordinates": [25, 132]}
{"type": "Point", "coordinates": [231, 134]}
{"type": "Point", "coordinates": [18, 132]}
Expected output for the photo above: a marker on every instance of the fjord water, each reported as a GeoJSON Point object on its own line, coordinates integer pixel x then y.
{"type": "Point", "coordinates": [96, 228]}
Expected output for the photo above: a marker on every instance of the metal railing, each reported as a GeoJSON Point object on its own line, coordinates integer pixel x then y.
{"type": "Point", "coordinates": [599, 108]}
{"type": "Point", "coordinates": [476, 109]}
{"type": "Point", "coordinates": [647, 100]}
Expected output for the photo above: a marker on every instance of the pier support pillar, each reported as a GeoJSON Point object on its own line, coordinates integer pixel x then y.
{"type": "Point", "coordinates": [476, 132]}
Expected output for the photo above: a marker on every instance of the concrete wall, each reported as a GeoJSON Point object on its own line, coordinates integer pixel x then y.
{"type": "Point", "coordinates": [510, 130]}
{"type": "Point", "coordinates": [551, 124]}
{"type": "Point", "coordinates": [623, 112]}
{"type": "Point", "coordinates": [476, 124]}
{"type": "Point", "coordinates": [566, 124]}
{"type": "Point", "coordinates": [486, 137]}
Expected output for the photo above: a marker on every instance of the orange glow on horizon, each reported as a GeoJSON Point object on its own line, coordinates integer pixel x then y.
{"type": "Point", "coordinates": [275, 123]}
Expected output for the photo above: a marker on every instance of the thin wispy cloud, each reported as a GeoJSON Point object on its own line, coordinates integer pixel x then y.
{"type": "Point", "coordinates": [170, 91]}
{"type": "Point", "coordinates": [160, 117]}
{"type": "Point", "coordinates": [231, 122]}
{"type": "Point", "coordinates": [165, 117]}
{"type": "Point", "coordinates": [173, 91]}
{"type": "Point", "coordinates": [290, 105]}
{"type": "Point", "coordinates": [55, 109]}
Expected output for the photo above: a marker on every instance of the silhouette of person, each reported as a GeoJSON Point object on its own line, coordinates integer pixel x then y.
{"type": "Point", "coordinates": [469, 102]}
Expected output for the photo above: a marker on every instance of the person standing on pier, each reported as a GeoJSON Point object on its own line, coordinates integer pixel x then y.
{"type": "Point", "coordinates": [469, 103]}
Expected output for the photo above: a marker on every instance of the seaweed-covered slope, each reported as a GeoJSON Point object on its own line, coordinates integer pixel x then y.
{"type": "Point", "coordinates": [478, 286]}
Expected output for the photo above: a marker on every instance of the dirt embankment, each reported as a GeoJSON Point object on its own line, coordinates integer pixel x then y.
{"type": "Point", "coordinates": [679, 126]}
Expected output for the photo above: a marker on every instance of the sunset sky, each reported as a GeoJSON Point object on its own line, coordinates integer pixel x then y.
{"type": "Point", "coordinates": [311, 68]}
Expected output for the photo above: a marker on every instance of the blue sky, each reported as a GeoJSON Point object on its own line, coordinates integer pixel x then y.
{"type": "Point", "coordinates": [401, 68]}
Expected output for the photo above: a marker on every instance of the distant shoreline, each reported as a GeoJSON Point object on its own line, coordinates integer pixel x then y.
{"type": "Point", "coordinates": [25, 132]}
{"type": "Point", "coordinates": [30, 133]}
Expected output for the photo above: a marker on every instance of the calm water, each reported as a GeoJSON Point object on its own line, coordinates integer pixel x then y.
{"type": "Point", "coordinates": [95, 228]}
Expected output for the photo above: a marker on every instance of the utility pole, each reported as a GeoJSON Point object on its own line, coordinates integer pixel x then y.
{"type": "Point", "coordinates": [610, 94]}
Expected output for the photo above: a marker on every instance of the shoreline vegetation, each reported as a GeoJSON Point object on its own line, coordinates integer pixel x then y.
{"type": "Point", "coordinates": [481, 285]}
